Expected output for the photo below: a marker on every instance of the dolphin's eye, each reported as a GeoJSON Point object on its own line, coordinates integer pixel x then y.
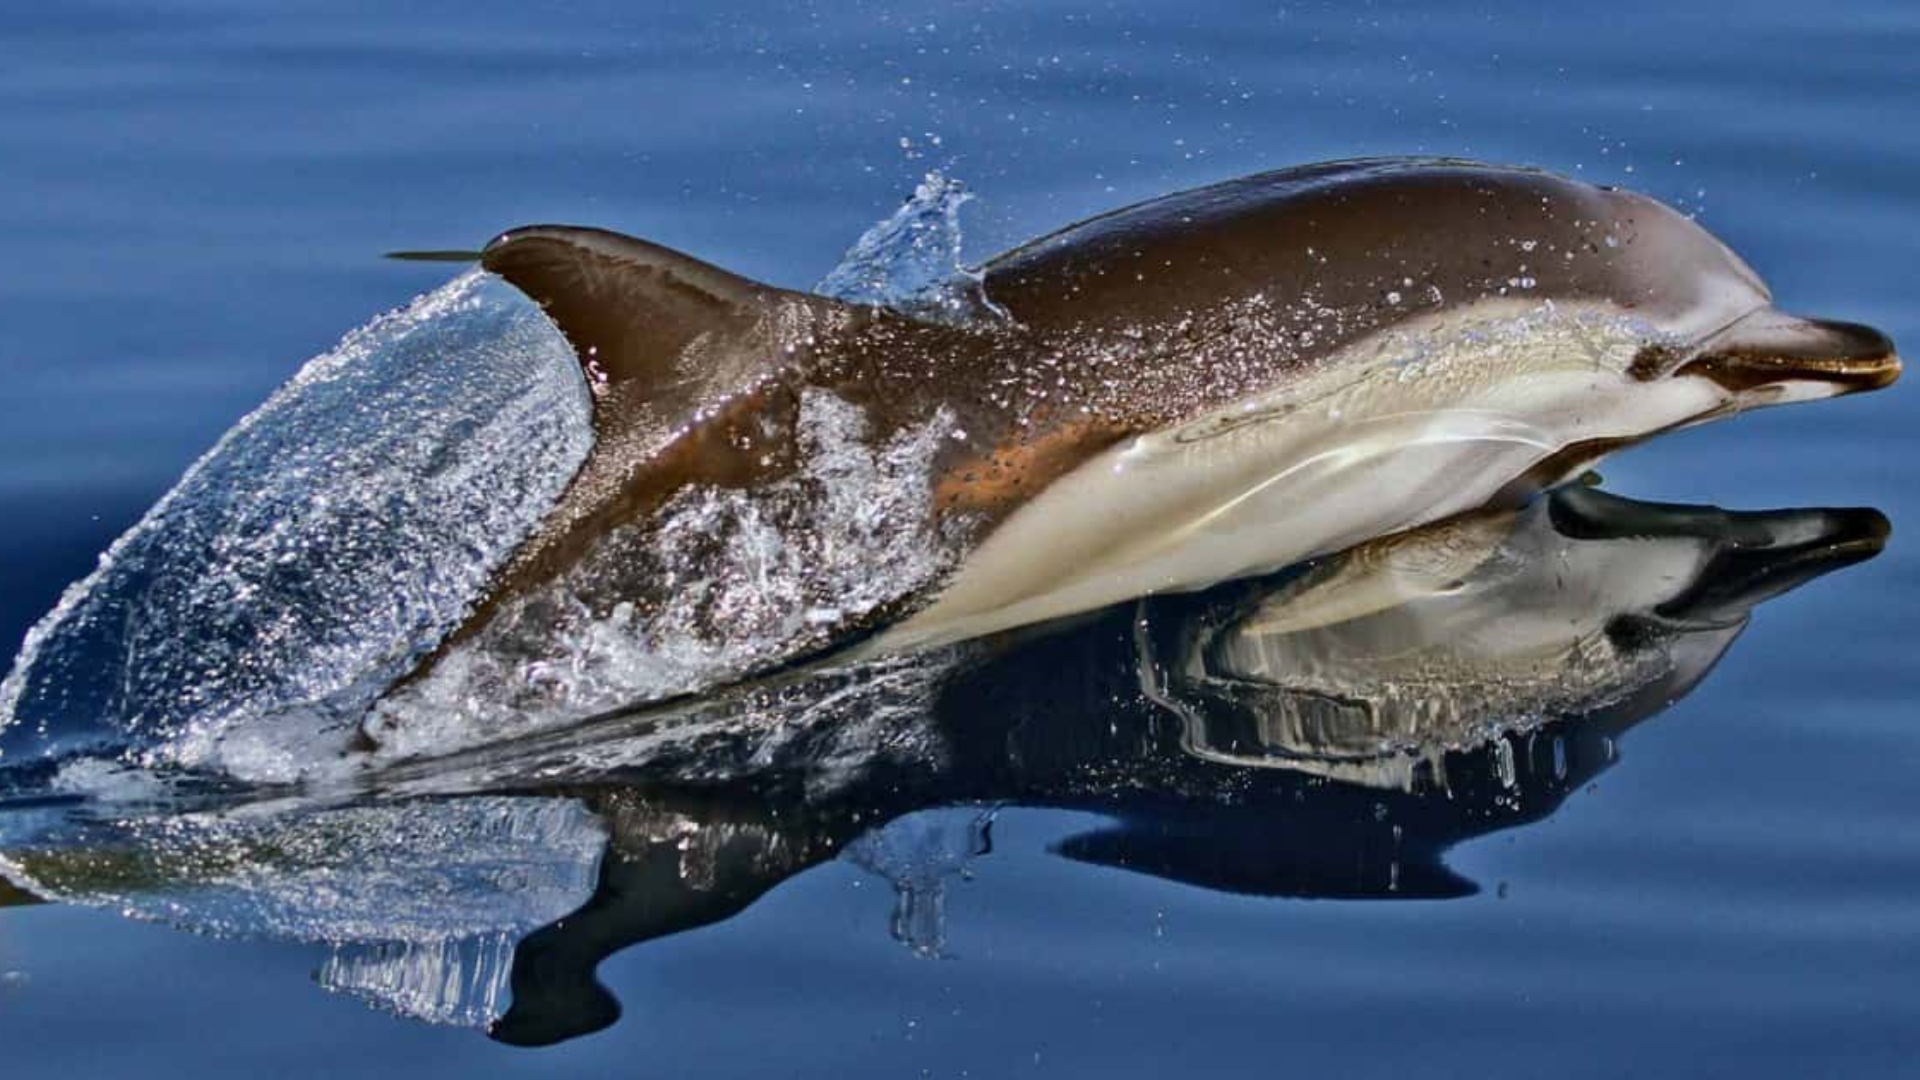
{"type": "Point", "coordinates": [1653, 361]}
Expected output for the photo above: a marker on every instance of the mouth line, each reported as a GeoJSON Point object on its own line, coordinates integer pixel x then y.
{"type": "Point", "coordinates": [1834, 552]}
{"type": "Point", "coordinates": [1726, 600]}
{"type": "Point", "coordinates": [1771, 348]}
{"type": "Point", "coordinates": [1737, 372]}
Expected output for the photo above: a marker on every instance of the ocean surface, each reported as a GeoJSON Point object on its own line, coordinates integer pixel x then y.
{"type": "Point", "coordinates": [1078, 857]}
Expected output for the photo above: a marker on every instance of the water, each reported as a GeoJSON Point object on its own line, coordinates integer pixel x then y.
{"type": "Point", "coordinates": [319, 547]}
{"type": "Point", "coordinates": [195, 200]}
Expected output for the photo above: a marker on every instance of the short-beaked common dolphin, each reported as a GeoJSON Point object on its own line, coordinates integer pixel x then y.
{"type": "Point", "coordinates": [1211, 384]}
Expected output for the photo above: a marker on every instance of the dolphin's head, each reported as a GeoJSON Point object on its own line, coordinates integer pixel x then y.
{"type": "Point", "coordinates": [1724, 326]}
{"type": "Point", "coordinates": [1700, 325]}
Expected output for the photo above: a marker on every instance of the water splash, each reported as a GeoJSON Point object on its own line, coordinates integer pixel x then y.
{"type": "Point", "coordinates": [460, 982]}
{"type": "Point", "coordinates": [419, 903]}
{"type": "Point", "coordinates": [757, 577]}
{"type": "Point", "coordinates": [249, 622]}
{"type": "Point", "coordinates": [919, 855]}
{"type": "Point", "coordinates": [322, 544]}
{"type": "Point", "coordinates": [911, 261]}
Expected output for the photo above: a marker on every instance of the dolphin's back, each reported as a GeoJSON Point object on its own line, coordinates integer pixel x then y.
{"type": "Point", "coordinates": [1332, 252]}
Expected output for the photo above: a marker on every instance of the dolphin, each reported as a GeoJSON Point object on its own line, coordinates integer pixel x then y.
{"type": "Point", "coordinates": [1212, 384]}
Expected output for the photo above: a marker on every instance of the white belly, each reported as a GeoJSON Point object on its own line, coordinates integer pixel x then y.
{"type": "Point", "coordinates": [1435, 423]}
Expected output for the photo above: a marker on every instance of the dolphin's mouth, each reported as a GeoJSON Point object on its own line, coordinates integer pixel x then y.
{"type": "Point", "coordinates": [1770, 348]}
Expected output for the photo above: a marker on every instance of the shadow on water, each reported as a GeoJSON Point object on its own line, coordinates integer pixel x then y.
{"type": "Point", "coordinates": [1330, 731]}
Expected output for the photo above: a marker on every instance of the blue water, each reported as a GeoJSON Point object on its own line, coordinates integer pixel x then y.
{"type": "Point", "coordinates": [194, 201]}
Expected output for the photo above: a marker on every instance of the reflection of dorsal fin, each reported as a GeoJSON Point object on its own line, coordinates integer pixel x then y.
{"type": "Point", "coordinates": [629, 308]}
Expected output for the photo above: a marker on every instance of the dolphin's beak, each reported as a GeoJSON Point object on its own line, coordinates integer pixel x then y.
{"type": "Point", "coordinates": [1749, 570]}
{"type": "Point", "coordinates": [1771, 349]}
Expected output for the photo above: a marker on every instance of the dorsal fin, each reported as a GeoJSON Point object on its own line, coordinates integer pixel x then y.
{"type": "Point", "coordinates": [630, 308]}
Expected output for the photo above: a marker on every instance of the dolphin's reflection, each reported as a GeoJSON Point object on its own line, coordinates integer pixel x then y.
{"type": "Point", "coordinates": [1369, 666]}
{"type": "Point", "coordinates": [1327, 732]}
